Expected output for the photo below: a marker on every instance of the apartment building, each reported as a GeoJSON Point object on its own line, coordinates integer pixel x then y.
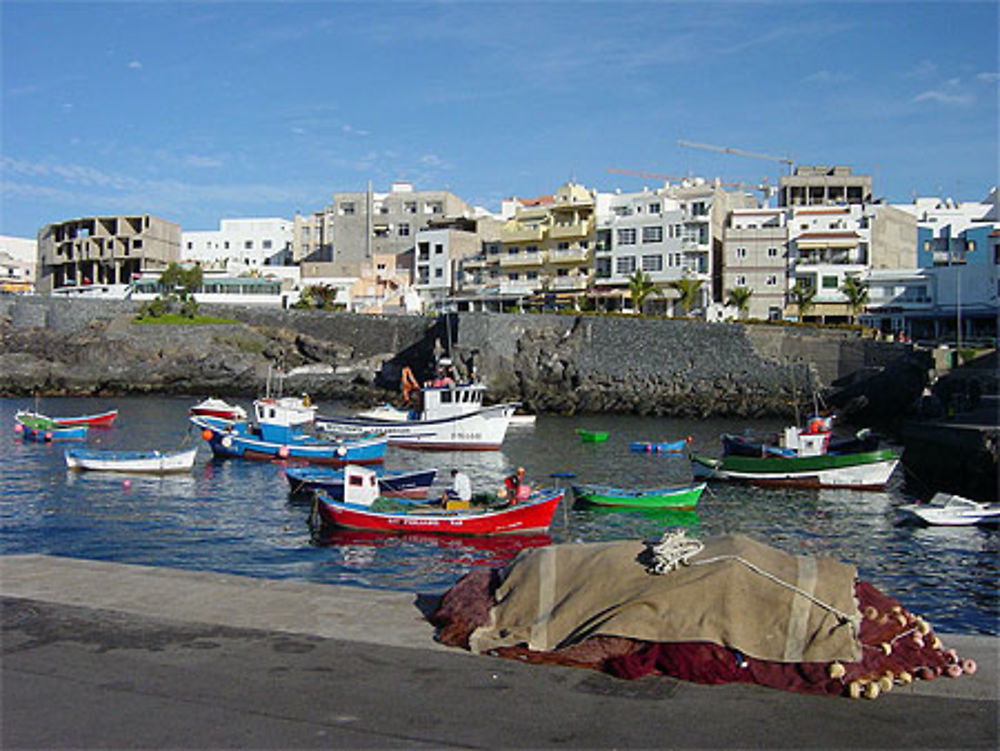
{"type": "Point", "coordinates": [240, 245]}
{"type": "Point", "coordinates": [755, 257]}
{"type": "Point", "coordinates": [546, 247]}
{"type": "Point", "coordinates": [18, 260]}
{"type": "Point", "coordinates": [312, 237]}
{"type": "Point", "coordinates": [442, 252]}
{"type": "Point", "coordinates": [826, 244]}
{"type": "Point", "coordinates": [104, 250]}
{"type": "Point", "coordinates": [669, 233]}
{"type": "Point", "coordinates": [365, 224]}
{"type": "Point", "coordinates": [823, 186]}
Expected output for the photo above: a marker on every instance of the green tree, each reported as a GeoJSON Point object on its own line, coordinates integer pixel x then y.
{"type": "Point", "coordinates": [802, 295]}
{"type": "Point", "coordinates": [322, 296]}
{"type": "Point", "coordinates": [640, 287]}
{"type": "Point", "coordinates": [687, 290]}
{"type": "Point", "coordinates": [739, 298]}
{"type": "Point", "coordinates": [856, 292]}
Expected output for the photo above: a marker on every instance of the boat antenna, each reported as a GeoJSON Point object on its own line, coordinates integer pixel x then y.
{"type": "Point", "coordinates": [795, 398]}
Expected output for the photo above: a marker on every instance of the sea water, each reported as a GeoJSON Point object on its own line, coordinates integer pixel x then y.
{"type": "Point", "coordinates": [237, 516]}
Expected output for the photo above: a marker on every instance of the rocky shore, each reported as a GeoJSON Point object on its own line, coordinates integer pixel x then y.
{"type": "Point", "coordinates": [555, 363]}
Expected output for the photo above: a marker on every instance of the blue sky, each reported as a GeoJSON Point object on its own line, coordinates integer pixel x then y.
{"type": "Point", "coordinates": [202, 111]}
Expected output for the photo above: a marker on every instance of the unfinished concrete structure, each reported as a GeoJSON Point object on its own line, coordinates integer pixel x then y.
{"type": "Point", "coordinates": [104, 250]}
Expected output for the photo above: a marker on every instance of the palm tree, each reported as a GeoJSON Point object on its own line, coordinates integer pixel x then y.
{"type": "Point", "coordinates": [802, 295]}
{"type": "Point", "coordinates": [856, 292]}
{"type": "Point", "coordinates": [739, 297]}
{"type": "Point", "coordinates": [687, 289]}
{"type": "Point", "coordinates": [640, 287]}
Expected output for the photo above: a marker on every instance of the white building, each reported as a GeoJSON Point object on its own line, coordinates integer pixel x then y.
{"type": "Point", "coordinates": [669, 233]}
{"type": "Point", "coordinates": [240, 245]}
{"type": "Point", "coordinates": [18, 260]}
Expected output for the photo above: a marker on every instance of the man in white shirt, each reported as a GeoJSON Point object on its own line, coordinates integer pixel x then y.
{"type": "Point", "coordinates": [461, 488]}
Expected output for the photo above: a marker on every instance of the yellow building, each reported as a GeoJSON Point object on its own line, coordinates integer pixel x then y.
{"type": "Point", "coordinates": [547, 246]}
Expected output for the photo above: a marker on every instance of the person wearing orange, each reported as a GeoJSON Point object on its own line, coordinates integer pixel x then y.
{"type": "Point", "coordinates": [517, 487]}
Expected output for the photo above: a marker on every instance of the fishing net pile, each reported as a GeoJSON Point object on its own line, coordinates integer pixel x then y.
{"type": "Point", "coordinates": [725, 610]}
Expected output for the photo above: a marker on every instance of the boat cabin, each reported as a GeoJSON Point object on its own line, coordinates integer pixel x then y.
{"type": "Point", "coordinates": [452, 400]}
{"type": "Point", "coordinates": [799, 443]}
{"type": "Point", "coordinates": [280, 418]}
{"type": "Point", "coordinates": [360, 485]}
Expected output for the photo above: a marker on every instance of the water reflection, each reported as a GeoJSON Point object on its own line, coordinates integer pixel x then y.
{"type": "Point", "coordinates": [237, 516]}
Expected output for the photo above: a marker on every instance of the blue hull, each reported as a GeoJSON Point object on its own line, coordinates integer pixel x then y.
{"type": "Point", "coordinates": [238, 440]}
{"type": "Point", "coordinates": [54, 434]}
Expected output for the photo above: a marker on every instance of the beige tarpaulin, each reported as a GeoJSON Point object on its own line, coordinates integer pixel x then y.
{"type": "Point", "coordinates": [736, 592]}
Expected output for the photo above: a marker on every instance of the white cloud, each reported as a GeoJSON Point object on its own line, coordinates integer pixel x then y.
{"type": "Point", "coordinates": [201, 162]}
{"type": "Point", "coordinates": [988, 77]}
{"type": "Point", "coordinates": [944, 97]}
{"type": "Point", "coordinates": [923, 69]}
{"type": "Point", "coordinates": [134, 65]}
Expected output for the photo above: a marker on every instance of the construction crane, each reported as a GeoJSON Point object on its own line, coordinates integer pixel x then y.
{"type": "Point", "coordinates": [738, 152]}
{"type": "Point", "coordinates": [767, 190]}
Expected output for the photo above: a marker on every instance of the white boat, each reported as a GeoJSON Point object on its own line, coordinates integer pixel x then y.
{"type": "Point", "coordinates": [948, 510]}
{"type": "Point", "coordinates": [213, 407]}
{"type": "Point", "coordinates": [151, 462]}
{"type": "Point", "coordinates": [451, 416]}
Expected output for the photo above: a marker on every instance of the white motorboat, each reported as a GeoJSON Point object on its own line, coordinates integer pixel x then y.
{"type": "Point", "coordinates": [949, 510]}
{"type": "Point", "coordinates": [451, 416]}
{"type": "Point", "coordinates": [213, 407]}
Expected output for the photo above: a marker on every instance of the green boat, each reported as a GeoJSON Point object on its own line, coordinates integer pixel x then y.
{"type": "Point", "coordinates": [592, 436]}
{"type": "Point", "coordinates": [863, 470]}
{"type": "Point", "coordinates": [680, 497]}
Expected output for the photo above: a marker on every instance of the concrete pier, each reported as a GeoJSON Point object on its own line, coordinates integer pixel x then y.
{"type": "Point", "coordinates": [98, 654]}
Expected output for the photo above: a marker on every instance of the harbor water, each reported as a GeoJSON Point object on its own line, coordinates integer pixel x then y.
{"type": "Point", "coordinates": [237, 516]}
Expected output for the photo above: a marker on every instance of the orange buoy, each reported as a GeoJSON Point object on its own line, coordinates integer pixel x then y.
{"type": "Point", "coordinates": [206, 434]}
{"type": "Point", "coordinates": [283, 452]}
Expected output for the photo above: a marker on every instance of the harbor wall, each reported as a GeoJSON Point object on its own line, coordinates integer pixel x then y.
{"type": "Point", "coordinates": [552, 363]}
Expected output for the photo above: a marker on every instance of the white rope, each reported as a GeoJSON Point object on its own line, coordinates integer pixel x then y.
{"type": "Point", "coordinates": [674, 549]}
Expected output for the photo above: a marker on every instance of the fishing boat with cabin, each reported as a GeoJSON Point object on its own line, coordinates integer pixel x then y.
{"type": "Point", "coordinates": [448, 416]}
{"type": "Point", "coordinates": [278, 433]}
{"type": "Point", "coordinates": [358, 510]}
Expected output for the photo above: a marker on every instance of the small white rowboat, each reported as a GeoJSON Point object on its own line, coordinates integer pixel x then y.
{"type": "Point", "coordinates": [151, 462]}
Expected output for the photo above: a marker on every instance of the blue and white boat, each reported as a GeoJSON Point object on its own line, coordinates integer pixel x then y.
{"type": "Point", "coordinates": [279, 432]}
{"type": "Point", "coordinates": [145, 462]}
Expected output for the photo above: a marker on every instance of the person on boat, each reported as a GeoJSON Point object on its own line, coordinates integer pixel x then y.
{"type": "Point", "coordinates": [517, 487]}
{"type": "Point", "coordinates": [460, 490]}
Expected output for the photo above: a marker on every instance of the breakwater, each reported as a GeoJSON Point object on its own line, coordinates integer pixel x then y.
{"type": "Point", "coordinates": [552, 363]}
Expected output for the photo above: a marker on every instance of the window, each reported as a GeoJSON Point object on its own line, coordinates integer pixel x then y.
{"type": "Point", "coordinates": [347, 209]}
{"type": "Point", "coordinates": [970, 245]}
{"type": "Point", "coordinates": [741, 252]}
{"type": "Point", "coordinates": [512, 276]}
{"type": "Point", "coordinates": [772, 281]}
{"type": "Point", "coordinates": [137, 243]}
{"type": "Point", "coordinates": [531, 275]}
{"type": "Point", "coordinates": [438, 273]}
{"type": "Point", "coordinates": [626, 236]}
{"type": "Point", "coordinates": [563, 246]}
{"type": "Point", "coordinates": [830, 282]}
{"type": "Point", "coordinates": [652, 263]}
{"type": "Point", "coordinates": [531, 249]}
{"type": "Point", "coordinates": [438, 249]}
{"type": "Point", "coordinates": [248, 245]}
{"type": "Point", "coordinates": [772, 252]}
{"type": "Point", "coordinates": [741, 281]}
{"type": "Point", "coordinates": [513, 250]}
{"type": "Point", "coordinates": [423, 251]}
{"type": "Point", "coordinates": [652, 234]}
{"type": "Point", "coordinates": [410, 207]}
{"type": "Point", "coordinates": [562, 272]}
{"type": "Point", "coordinates": [404, 229]}
{"type": "Point", "coordinates": [190, 245]}
{"type": "Point", "coordinates": [625, 265]}
{"type": "Point", "coordinates": [654, 208]}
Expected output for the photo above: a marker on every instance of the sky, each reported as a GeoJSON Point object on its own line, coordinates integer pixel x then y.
{"type": "Point", "coordinates": [197, 112]}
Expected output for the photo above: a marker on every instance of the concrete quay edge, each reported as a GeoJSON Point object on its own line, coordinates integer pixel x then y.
{"type": "Point", "coordinates": [329, 611]}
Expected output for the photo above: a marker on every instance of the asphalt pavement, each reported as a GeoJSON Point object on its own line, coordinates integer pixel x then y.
{"type": "Point", "coordinates": [105, 655]}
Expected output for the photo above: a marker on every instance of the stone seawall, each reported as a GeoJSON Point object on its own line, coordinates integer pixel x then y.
{"type": "Point", "coordinates": [553, 363]}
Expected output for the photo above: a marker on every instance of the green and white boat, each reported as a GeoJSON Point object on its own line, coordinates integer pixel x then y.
{"type": "Point", "coordinates": [681, 497]}
{"type": "Point", "coordinates": [863, 470]}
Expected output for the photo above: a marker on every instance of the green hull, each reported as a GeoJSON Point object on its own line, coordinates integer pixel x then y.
{"type": "Point", "coordinates": [780, 465]}
{"type": "Point", "coordinates": [592, 436]}
{"type": "Point", "coordinates": [661, 498]}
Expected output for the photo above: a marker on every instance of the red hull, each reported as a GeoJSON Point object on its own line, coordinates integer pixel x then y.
{"type": "Point", "coordinates": [101, 420]}
{"type": "Point", "coordinates": [528, 517]}
{"type": "Point", "coordinates": [222, 414]}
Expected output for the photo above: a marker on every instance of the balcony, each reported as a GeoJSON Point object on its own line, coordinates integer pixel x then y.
{"type": "Point", "coordinates": [521, 259]}
{"type": "Point", "coordinates": [569, 255]}
{"type": "Point", "coordinates": [568, 283]}
{"type": "Point", "coordinates": [570, 230]}
{"type": "Point", "coordinates": [522, 235]}
{"type": "Point", "coordinates": [517, 288]}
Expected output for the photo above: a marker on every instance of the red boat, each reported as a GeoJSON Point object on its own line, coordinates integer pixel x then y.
{"type": "Point", "coordinates": [361, 490]}
{"type": "Point", "coordinates": [99, 420]}
{"type": "Point", "coordinates": [213, 407]}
